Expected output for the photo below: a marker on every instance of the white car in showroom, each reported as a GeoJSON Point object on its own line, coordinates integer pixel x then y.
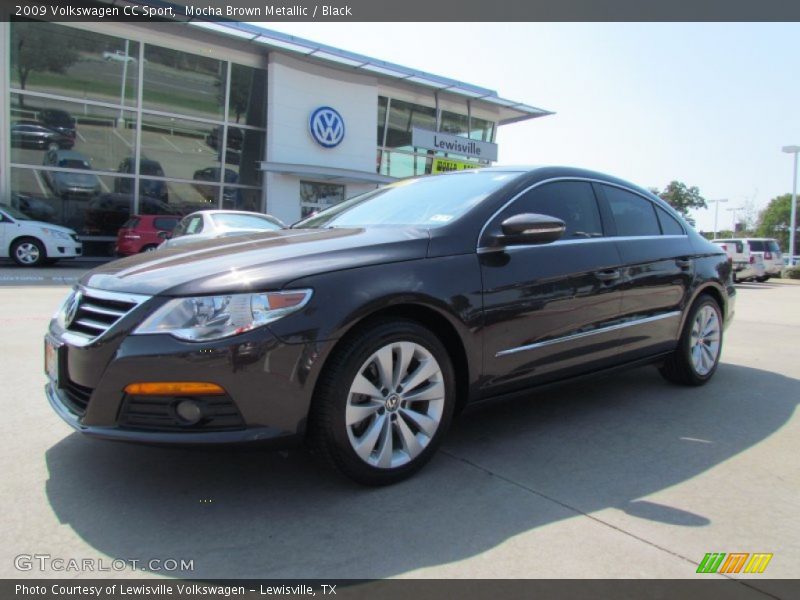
{"type": "Point", "coordinates": [32, 243]}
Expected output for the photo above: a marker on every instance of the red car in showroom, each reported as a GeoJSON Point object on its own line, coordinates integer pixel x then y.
{"type": "Point", "coordinates": [142, 233]}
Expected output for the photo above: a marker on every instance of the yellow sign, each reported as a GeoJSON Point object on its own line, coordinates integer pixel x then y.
{"type": "Point", "coordinates": [444, 165]}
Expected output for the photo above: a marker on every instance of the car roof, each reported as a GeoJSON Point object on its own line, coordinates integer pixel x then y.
{"type": "Point", "coordinates": [217, 211]}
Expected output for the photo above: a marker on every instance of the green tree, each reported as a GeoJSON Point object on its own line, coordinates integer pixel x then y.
{"type": "Point", "coordinates": [773, 221]}
{"type": "Point", "coordinates": [32, 49]}
{"type": "Point", "coordinates": [681, 197]}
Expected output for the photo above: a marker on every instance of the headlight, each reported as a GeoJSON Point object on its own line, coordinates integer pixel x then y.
{"type": "Point", "coordinates": [214, 317]}
{"type": "Point", "coordinates": [56, 234]}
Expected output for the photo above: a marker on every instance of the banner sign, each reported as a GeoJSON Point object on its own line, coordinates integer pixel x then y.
{"type": "Point", "coordinates": [456, 144]}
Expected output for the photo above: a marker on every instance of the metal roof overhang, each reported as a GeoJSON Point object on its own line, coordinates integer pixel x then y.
{"type": "Point", "coordinates": [331, 174]}
{"type": "Point", "coordinates": [510, 111]}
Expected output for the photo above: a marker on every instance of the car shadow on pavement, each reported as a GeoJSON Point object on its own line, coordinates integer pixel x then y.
{"type": "Point", "coordinates": [504, 469]}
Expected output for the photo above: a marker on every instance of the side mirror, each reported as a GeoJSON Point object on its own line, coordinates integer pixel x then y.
{"type": "Point", "coordinates": [164, 235]}
{"type": "Point", "coordinates": [529, 228]}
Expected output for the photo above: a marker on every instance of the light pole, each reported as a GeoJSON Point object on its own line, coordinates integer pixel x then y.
{"type": "Point", "coordinates": [793, 219]}
{"type": "Point", "coordinates": [716, 213]}
{"type": "Point", "coordinates": [734, 210]}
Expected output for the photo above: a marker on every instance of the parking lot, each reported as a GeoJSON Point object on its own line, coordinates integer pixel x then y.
{"type": "Point", "coordinates": [625, 476]}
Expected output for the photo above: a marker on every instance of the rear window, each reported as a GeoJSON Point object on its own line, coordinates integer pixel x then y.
{"type": "Point", "coordinates": [764, 246]}
{"type": "Point", "coordinates": [164, 224]}
{"type": "Point", "coordinates": [669, 224]}
{"type": "Point", "coordinates": [131, 223]}
{"type": "Point", "coordinates": [633, 215]}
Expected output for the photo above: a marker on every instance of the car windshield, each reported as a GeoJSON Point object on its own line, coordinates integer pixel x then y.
{"type": "Point", "coordinates": [18, 215]}
{"type": "Point", "coordinates": [234, 221]}
{"type": "Point", "coordinates": [423, 202]}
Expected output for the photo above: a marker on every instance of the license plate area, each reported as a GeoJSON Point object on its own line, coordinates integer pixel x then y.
{"type": "Point", "coordinates": [52, 359]}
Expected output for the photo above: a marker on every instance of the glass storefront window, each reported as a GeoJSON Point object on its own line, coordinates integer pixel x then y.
{"type": "Point", "coordinates": [54, 59]}
{"type": "Point", "coordinates": [482, 130]}
{"type": "Point", "coordinates": [382, 102]}
{"type": "Point", "coordinates": [184, 83]}
{"type": "Point", "coordinates": [402, 117]}
{"type": "Point", "coordinates": [66, 198]}
{"type": "Point", "coordinates": [179, 146]}
{"type": "Point", "coordinates": [401, 164]}
{"type": "Point", "coordinates": [74, 105]}
{"type": "Point", "coordinates": [102, 136]}
{"type": "Point", "coordinates": [454, 124]}
{"type": "Point", "coordinates": [247, 99]}
{"type": "Point", "coordinates": [316, 197]}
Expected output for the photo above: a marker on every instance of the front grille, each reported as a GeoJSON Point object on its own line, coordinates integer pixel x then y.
{"type": "Point", "coordinates": [77, 396]}
{"type": "Point", "coordinates": [95, 311]}
{"type": "Point", "coordinates": [157, 413]}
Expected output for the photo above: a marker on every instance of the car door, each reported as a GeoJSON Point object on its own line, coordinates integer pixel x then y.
{"type": "Point", "coordinates": [658, 270]}
{"type": "Point", "coordinates": [550, 309]}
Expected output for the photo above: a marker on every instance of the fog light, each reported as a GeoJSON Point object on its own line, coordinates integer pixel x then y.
{"type": "Point", "coordinates": [189, 411]}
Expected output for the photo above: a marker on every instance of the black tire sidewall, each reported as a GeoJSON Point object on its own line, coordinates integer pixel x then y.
{"type": "Point", "coordinates": [368, 342]}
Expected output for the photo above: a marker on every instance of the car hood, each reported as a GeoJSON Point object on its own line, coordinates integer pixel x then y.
{"type": "Point", "coordinates": [199, 237]}
{"type": "Point", "coordinates": [262, 261]}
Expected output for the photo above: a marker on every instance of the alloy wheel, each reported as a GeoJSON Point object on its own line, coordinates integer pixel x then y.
{"type": "Point", "coordinates": [704, 343]}
{"type": "Point", "coordinates": [395, 405]}
{"type": "Point", "coordinates": [27, 253]}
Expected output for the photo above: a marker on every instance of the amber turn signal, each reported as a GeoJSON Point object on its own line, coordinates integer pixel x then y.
{"type": "Point", "coordinates": [174, 388]}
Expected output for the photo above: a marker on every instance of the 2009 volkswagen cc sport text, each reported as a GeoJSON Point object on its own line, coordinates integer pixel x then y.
{"type": "Point", "coordinates": [363, 329]}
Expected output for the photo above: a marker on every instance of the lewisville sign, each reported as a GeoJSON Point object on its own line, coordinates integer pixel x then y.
{"type": "Point", "coordinates": [446, 142]}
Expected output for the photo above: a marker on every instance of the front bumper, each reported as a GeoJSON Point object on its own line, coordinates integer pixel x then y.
{"type": "Point", "coordinates": [60, 248]}
{"type": "Point", "coordinates": [248, 435]}
{"type": "Point", "coordinates": [268, 386]}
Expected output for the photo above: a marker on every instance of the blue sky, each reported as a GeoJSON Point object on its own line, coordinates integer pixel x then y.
{"type": "Point", "coordinates": [708, 104]}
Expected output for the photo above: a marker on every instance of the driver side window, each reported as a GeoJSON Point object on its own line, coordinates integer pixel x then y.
{"type": "Point", "coordinates": [573, 202]}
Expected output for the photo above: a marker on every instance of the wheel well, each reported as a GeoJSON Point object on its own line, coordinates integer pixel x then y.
{"type": "Point", "coordinates": [715, 294]}
{"type": "Point", "coordinates": [441, 327]}
{"type": "Point", "coordinates": [27, 237]}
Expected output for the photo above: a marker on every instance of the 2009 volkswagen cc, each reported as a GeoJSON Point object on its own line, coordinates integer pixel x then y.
{"type": "Point", "coordinates": [363, 329]}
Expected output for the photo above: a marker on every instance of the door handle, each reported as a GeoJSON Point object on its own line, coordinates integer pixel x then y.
{"type": "Point", "coordinates": [684, 263]}
{"type": "Point", "coordinates": [608, 275]}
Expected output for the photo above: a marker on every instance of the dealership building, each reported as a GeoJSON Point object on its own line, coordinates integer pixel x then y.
{"type": "Point", "coordinates": [105, 120]}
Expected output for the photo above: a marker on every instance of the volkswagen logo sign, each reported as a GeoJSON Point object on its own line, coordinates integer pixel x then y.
{"type": "Point", "coordinates": [326, 126]}
{"type": "Point", "coordinates": [71, 309]}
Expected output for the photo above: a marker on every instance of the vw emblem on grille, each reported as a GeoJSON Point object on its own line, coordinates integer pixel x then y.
{"type": "Point", "coordinates": [326, 126]}
{"type": "Point", "coordinates": [71, 309]}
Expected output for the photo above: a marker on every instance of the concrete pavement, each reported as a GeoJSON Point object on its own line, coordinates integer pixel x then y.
{"type": "Point", "coordinates": [626, 476]}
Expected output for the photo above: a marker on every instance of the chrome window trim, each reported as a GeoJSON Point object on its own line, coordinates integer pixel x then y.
{"type": "Point", "coordinates": [621, 238]}
{"type": "Point", "coordinates": [577, 336]}
{"type": "Point", "coordinates": [482, 250]}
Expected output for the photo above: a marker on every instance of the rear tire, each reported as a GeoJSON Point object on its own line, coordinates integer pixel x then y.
{"type": "Point", "coordinates": [148, 248]}
{"type": "Point", "coordinates": [696, 358]}
{"type": "Point", "coordinates": [363, 422]}
{"type": "Point", "coordinates": [762, 279]}
{"type": "Point", "coordinates": [28, 252]}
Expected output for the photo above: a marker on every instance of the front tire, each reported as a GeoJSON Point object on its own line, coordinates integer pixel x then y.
{"type": "Point", "coordinates": [762, 279]}
{"type": "Point", "coordinates": [383, 403]}
{"type": "Point", "coordinates": [696, 358]}
{"type": "Point", "coordinates": [28, 252]}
